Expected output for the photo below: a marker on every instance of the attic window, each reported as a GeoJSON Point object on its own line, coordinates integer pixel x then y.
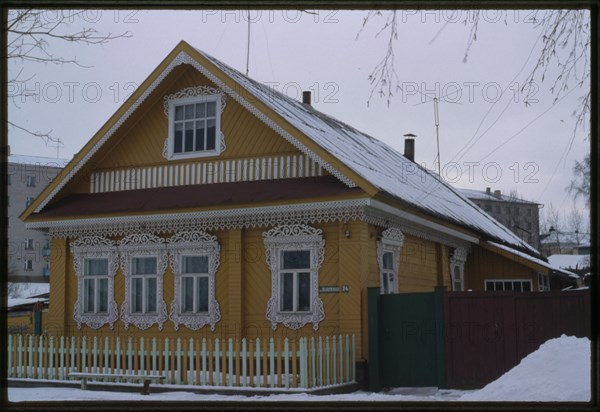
{"type": "Point", "coordinates": [194, 123]}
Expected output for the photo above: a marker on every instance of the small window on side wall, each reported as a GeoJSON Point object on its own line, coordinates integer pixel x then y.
{"type": "Point", "coordinates": [388, 259]}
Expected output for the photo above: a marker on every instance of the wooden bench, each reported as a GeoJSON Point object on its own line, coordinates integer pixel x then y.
{"type": "Point", "coordinates": [84, 376]}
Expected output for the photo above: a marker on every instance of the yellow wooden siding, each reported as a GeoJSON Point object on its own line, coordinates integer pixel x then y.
{"type": "Point", "coordinates": [245, 135]}
{"type": "Point", "coordinates": [58, 310]}
{"type": "Point", "coordinates": [418, 265]}
{"type": "Point", "coordinates": [484, 264]}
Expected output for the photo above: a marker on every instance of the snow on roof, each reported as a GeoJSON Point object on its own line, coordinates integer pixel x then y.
{"type": "Point", "coordinates": [535, 260]}
{"type": "Point", "coordinates": [378, 163]}
{"type": "Point", "coordinates": [15, 302]}
{"type": "Point", "coordinates": [483, 195]}
{"type": "Point", "coordinates": [37, 160]}
{"type": "Point", "coordinates": [570, 261]}
{"type": "Point", "coordinates": [23, 293]}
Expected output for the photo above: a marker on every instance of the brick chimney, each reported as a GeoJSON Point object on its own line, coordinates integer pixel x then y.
{"type": "Point", "coordinates": [409, 146]}
{"type": "Point", "coordinates": [306, 97]}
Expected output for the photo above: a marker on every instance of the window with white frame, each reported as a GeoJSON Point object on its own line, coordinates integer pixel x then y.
{"type": "Point", "coordinates": [28, 264]}
{"type": "Point", "coordinates": [543, 282]}
{"type": "Point", "coordinates": [96, 263]}
{"type": "Point", "coordinates": [457, 269]}
{"type": "Point", "coordinates": [29, 244]}
{"type": "Point", "coordinates": [144, 285]}
{"type": "Point", "coordinates": [29, 201]}
{"type": "Point", "coordinates": [508, 285]}
{"type": "Point", "coordinates": [143, 259]}
{"type": "Point", "coordinates": [95, 285]}
{"type": "Point", "coordinates": [194, 258]}
{"type": "Point", "coordinates": [388, 258]}
{"type": "Point", "coordinates": [294, 254]}
{"type": "Point", "coordinates": [194, 116]}
{"type": "Point", "coordinates": [30, 181]}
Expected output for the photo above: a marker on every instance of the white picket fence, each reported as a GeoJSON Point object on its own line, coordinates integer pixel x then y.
{"type": "Point", "coordinates": [276, 363]}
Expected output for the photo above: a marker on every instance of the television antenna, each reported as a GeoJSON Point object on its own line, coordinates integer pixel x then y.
{"type": "Point", "coordinates": [437, 133]}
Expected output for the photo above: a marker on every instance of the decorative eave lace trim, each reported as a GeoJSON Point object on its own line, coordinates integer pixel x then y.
{"type": "Point", "coordinates": [318, 212]}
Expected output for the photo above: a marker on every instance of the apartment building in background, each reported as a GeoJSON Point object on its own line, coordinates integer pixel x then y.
{"type": "Point", "coordinates": [28, 250]}
{"type": "Point", "coordinates": [520, 216]}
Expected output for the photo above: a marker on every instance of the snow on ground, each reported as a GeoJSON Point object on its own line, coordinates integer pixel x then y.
{"type": "Point", "coordinates": [558, 371]}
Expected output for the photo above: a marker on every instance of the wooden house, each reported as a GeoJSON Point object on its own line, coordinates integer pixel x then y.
{"type": "Point", "coordinates": [211, 205]}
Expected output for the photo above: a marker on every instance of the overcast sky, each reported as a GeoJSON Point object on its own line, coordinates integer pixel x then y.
{"type": "Point", "coordinates": [488, 136]}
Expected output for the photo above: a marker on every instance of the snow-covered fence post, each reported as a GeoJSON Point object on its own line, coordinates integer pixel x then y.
{"type": "Point", "coordinates": [51, 354]}
{"type": "Point", "coordinates": [30, 360]}
{"type": "Point", "coordinates": [142, 355]}
{"type": "Point", "coordinates": [166, 364]}
{"type": "Point", "coordinates": [217, 357]}
{"type": "Point", "coordinates": [320, 361]}
{"type": "Point", "coordinates": [10, 356]}
{"type": "Point", "coordinates": [154, 356]}
{"type": "Point", "coordinates": [272, 361]}
{"type": "Point", "coordinates": [244, 365]}
{"type": "Point", "coordinates": [286, 362]}
{"type": "Point", "coordinates": [95, 355]}
{"type": "Point", "coordinates": [230, 362]}
{"type": "Point", "coordinates": [327, 362]}
{"type": "Point", "coordinates": [178, 354]}
{"type": "Point", "coordinates": [334, 357]}
{"type": "Point", "coordinates": [203, 374]}
{"type": "Point", "coordinates": [257, 359]}
{"type": "Point", "coordinates": [313, 362]}
{"type": "Point", "coordinates": [190, 368]}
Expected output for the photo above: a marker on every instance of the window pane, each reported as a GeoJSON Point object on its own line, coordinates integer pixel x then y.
{"type": "Point", "coordinates": [195, 264]}
{"type": "Point", "coordinates": [103, 295]}
{"type": "Point", "coordinates": [136, 295]}
{"type": "Point", "coordinates": [144, 266]}
{"type": "Point", "coordinates": [189, 111]}
{"type": "Point", "coordinates": [296, 259]}
{"type": "Point", "coordinates": [517, 286]}
{"type": "Point", "coordinates": [95, 267]}
{"type": "Point", "coordinates": [178, 112]}
{"type": "Point", "coordinates": [189, 136]}
{"type": "Point", "coordinates": [304, 291]}
{"type": "Point", "coordinates": [200, 110]}
{"type": "Point", "coordinates": [526, 287]}
{"type": "Point", "coordinates": [508, 286]}
{"type": "Point", "coordinates": [211, 132]}
{"type": "Point", "coordinates": [178, 148]}
{"type": "Point", "coordinates": [89, 295]}
{"type": "Point", "coordinates": [287, 291]}
{"type": "Point", "coordinates": [386, 287]}
{"type": "Point", "coordinates": [211, 109]}
{"type": "Point", "coordinates": [151, 292]}
{"type": "Point", "coordinates": [203, 294]}
{"type": "Point", "coordinates": [187, 294]}
{"type": "Point", "coordinates": [388, 260]}
{"type": "Point", "coordinates": [200, 135]}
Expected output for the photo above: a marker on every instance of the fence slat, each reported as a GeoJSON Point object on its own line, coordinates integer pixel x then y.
{"type": "Point", "coordinates": [217, 358]}
{"type": "Point", "coordinates": [313, 362]}
{"type": "Point", "coordinates": [272, 361]}
{"type": "Point", "coordinates": [286, 362]}
{"type": "Point", "coordinates": [257, 358]}
{"type": "Point", "coordinates": [203, 375]}
{"type": "Point", "coordinates": [244, 364]}
{"type": "Point", "coordinates": [230, 362]}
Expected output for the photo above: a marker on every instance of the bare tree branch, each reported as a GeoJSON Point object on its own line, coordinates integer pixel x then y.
{"type": "Point", "coordinates": [29, 32]}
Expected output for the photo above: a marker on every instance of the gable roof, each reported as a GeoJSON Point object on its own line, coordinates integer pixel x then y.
{"type": "Point", "coordinates": [353, 157]}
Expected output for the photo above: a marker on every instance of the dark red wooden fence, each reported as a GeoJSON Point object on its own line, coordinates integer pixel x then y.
{"type": "Point", "coordinates": [488, 333]}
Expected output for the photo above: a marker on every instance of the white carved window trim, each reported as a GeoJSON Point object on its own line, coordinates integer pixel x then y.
{"type": "Point", "coordinates": [143, 245]}
{"type": "Point", "coordinates": [458, 259]}
{"type": "Point", "coordinates": [95, 247]}
{"type": "Point", "coordinates": [294, 237]}
{"type": "Point", "coordinates": [189, 95]}
{"type": "Point", "coordinates": [391, 241]}
{"type": "Point", "coordinates": [194, 243]}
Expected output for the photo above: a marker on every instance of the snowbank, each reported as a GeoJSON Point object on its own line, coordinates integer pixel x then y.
{"type": "Point", "coordinates": [558, 371]}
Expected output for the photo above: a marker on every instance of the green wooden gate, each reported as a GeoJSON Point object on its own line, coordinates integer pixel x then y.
{"type": "Point", "coordinates": [406, 340]}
